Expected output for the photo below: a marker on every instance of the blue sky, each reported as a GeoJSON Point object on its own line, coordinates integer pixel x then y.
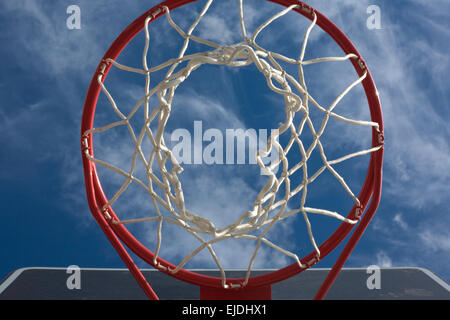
{"type": "Point", "coordinates": [46, 69]}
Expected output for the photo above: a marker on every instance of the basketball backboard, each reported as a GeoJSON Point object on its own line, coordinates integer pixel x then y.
{"type": "Point", "coordinates": [118, 284]}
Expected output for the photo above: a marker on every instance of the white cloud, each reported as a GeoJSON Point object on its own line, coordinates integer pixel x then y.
{"type": "Point", "coordinates": [214, 25]}
{"type": "Point", "coordinates": [204, 107]}
{"type": "Point", "coordinates": [435, 240]}
{"type": "Point", "coordinates": [55, 50]}
{"type": "Point", "coordinates": [383, 260]}
{"type": "Point", "coordinates": [398, 219]}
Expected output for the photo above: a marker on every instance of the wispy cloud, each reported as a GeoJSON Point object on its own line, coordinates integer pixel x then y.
{"type": "Point", "coordinates": [398, 219]}
{"type": "Point", "coordinates": [383, 260]}
{"type": "Point", "coordinates": [436, 241]}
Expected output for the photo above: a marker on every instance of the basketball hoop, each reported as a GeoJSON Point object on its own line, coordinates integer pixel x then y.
{"type": "Point", "coordinates": [266, 210]}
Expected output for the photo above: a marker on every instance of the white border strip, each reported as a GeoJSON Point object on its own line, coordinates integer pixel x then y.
{"type": "Point", "coordinates": [15, 274]}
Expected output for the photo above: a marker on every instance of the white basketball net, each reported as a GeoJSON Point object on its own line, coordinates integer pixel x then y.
{"type": "Point", "coordinates": [278, 80]}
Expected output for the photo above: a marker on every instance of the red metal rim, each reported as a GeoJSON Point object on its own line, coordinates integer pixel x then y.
{"type": "Point", "coordinates": [371, 188]}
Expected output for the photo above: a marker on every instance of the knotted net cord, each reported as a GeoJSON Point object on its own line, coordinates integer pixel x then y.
{"type": "Point", "coordinates": [241, 54]}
